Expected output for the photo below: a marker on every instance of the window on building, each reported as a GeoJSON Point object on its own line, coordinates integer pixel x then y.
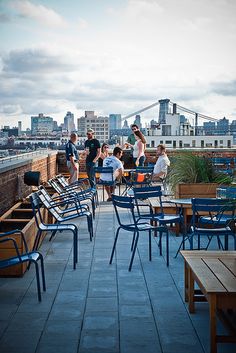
{"type": "Point", "coordinates": [229, 143]}
{"type": "Point", "coordinates": [216, 143]}
{"type": "Point", "coordinates": [202, 143]}
{"type": "Point", "coordinates": [174, 144]}
{"type": "Point", "coordinates": [180, 144]}
{"type": "Point", "coordinates": [221, 142]}
{"type": "Point", "coordinates": [152, 143]}
{"type": "Point", "coordinates": [168, 142]}
{"type": "Point", "coordinates": [193, 143]}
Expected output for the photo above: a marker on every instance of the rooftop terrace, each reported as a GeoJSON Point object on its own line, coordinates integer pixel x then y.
{"type": "Point", "coordinates": [101, 308]}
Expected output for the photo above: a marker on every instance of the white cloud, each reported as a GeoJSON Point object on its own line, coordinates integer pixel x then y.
{"type": "Point", "coordinates": [37, 12]}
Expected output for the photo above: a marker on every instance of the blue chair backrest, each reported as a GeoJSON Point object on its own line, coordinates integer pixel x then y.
{"type": "Point", "coordinates": [36, 207]}
{"type": "Point", "coordinates": [147, 193]}
{"type": "Point", "coordinates": [215, 207]}
{"type": "Point", "coordinates": [104, 170]}
{"type": "Point", "coordinates": [123, 202]}
{"type": "Point", "coordinates": [148, 169]}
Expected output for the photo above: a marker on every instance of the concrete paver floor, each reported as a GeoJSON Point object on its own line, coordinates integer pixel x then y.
{"type": "Point", "coordinates": [102, 308]}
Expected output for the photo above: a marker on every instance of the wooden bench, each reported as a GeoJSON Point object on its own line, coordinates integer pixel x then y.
{"type": "Point", "coordinates": [215, 274]}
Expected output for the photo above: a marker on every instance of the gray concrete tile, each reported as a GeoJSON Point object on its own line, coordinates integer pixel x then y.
{"type": "Point", "coordinates": [102, 304]}
{"type": "Point", "coordinates": [98, 342]}
{"type": "Point", "coordinates": [66, 312]}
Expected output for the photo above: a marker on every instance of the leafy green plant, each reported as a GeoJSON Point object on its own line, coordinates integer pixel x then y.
{"type": "Point", "coordinates": [190, 168]}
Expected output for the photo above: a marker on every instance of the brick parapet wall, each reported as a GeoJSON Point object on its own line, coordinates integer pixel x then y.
{"type": "Point", "coordinates": [150, 157]}
{"type": "Point", "coordinates": [12, 187]}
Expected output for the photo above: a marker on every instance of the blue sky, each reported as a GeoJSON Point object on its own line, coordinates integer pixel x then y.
{"type": "Point", "coordinates": [116, 57]}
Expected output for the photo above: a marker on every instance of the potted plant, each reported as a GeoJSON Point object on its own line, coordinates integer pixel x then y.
{"type": "Point", "coordinates": [195, 176]}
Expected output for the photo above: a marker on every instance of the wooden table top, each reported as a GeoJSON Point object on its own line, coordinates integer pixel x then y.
{"type": "Point", "coordinates": [216, 270]}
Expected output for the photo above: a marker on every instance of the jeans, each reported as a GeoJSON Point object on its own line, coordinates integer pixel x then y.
{"type": "Point", "coordinates": [141, 161]}
{"type": "Point", "coordinates": [90, 170]}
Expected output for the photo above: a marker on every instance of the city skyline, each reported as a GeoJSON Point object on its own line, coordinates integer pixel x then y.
{"type": "Point", "coordinates": [116, 57]}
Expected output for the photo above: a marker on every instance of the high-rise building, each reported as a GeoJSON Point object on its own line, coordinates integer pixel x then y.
{"type": "Point", "coordinates": [41, 125]}
{"type": "Point", "coordinates": [100, 125]}
{"type": "Point", "coordinates": [137, 121]}
{"type": "Point", "coordinates": [115, 121]}
{"type": "Point", "coordinates": [222, 126]}
{"type": "Point", "coordinates": [19, 127]}
{"type": "Point", "coordinates": [125, 125]}
{"type": "Point", "coordinates": [163, 110]}
{"type": "Point", "coordinates": [69, 123]}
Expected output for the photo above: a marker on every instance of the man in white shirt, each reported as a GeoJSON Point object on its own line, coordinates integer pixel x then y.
{"type": "Point", "coordinates": [162, 163]}
{"type": "Point", "coordinates": [118, 169]}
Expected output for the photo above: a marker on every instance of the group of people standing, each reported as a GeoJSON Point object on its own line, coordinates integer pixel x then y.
{"type": "Point", "coordinates": [97, 155]}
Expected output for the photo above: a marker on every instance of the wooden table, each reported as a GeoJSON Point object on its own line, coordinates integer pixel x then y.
{"type": "Point", "coordinates": [215, 274]}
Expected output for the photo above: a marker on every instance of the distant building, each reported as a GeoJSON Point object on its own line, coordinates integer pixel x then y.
{"type": "Point", "coordinates": [163, 110]}
{"type": "Point", "coordinates": [69, 123]}
{"type": "Point", "coordinates": [7, 131]}
{"type": "Point", "coordinates": [19, 127]}
{"type": "Point", "coordinates": [125, 125]}
{"type": "Point", "coordinates": [41, 125]}
{"type": "Point", "coordinates": [222, 126]}
{"type": "Point", "coordinates": [137, 121]}
{"type": "Point", "coordinates": [99, 124]}
{"type": "Point", "coordinates": [115, 121]}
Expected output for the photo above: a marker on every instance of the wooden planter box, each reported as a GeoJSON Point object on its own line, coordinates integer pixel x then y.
{"type": "Point", "coordinates": [20, 216]}
{"type": "Point", "coordinates": [204, 190]}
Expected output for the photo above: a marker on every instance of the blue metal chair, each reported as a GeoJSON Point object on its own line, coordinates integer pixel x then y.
{"type": "Point", "coordinates": [27, 256]}
{"type": "Point", "coordinates": [212, 218]}
{"type": "Point", "coordinates": [140, 177]}
{"type": "Point", "coordinates": [127, 204]}
{"type": "Point", "coordinates": [66, 208]}
{"type": "Point", "coordinates": [145, 211]}
{"type": "Point", "coordinates": [99, 171]}
{"type": "Point", "coordinates": [82, 187]}
{"type": "Point", "coordinates": [43, 227]}
{"type": "Point", "coordinates": [78, 190]}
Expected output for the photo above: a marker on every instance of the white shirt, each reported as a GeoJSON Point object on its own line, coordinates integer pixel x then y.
{"type": "Point", "coordinates": [161, 165]}
{"type": "Point", "coordinates": [136, 150]}
{"type": "Point", "coordinates": [113, 162]}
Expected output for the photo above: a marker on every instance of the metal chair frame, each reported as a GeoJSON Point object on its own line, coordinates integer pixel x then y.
{"type": "Point", "coordinates": [43, 227]}
{"type": "Point", "coordinates": [216, 224]}
{"type": "Point", "coordinates": [127, 203]}
{"type": "Point", "coordinates": [27, 256]}
{"type": "Point", "coordinates": [146, 193]}
{"type": "Point", "coordinates": [104, 170]}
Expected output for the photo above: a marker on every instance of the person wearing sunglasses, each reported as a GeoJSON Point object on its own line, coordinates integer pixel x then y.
{"type": "Point", "coordinates": [93, 151]}
{"type": "Point", "coordinates": [104, 154]}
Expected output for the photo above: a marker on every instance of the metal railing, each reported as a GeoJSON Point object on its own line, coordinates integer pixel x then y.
{"type": "Point", "coordinates": [23, 155]}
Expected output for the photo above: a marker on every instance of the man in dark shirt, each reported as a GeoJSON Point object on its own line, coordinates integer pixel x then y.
{"type": "Point", "coordinates": [72, 158]}
{"type": "Point", "coordinates": [93, 151]}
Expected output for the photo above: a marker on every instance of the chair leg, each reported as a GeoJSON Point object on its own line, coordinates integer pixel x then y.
{"type": "Point", "coordinates": [90, 226]}
{"type": "Point", "coordinates": [133, 253]}
{"type": "Point", "coordinates": [226, 242]}
{"type": "Point", "coordinates": [160, 242]}
{"type": "Point", "coordinates": [75, 247]}
{"type": "Point", "coordinates": [37, 280]}
{"type": "Point", "coordinates": [132, 245]}
{"type": "Point", "coordinates": [167, 248]}
{"type": "Point", "coordinates": [114, 246]}
{"type": "Point", "coordinates": [150, 245]}
{"type": "Point", "coordinates": [37, 239]}
{"type": "Point", "coordinates": [53, 234]}
{"type": "Point", "coordinates": [42, 272]}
